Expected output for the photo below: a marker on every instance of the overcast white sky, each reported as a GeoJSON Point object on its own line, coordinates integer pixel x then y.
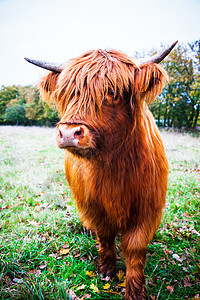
{"type": "Point", "coordinates": [57, 30]}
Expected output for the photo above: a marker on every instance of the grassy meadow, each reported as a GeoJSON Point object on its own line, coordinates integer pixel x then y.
{"type": "Point", "coordinates": [46, 253]}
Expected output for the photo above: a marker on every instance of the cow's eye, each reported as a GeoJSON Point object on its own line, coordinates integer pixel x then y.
{"type": "Point", "coordinates": [111, 93]}
{"type": "Point", "coordinates": [112, 96]}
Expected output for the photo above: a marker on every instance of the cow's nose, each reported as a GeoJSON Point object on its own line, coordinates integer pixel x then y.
{"type": "Point", "coordinates": [69, 137]}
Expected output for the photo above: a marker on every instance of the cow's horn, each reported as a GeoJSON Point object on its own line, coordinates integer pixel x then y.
{"type": "Point", "coordinates": [158, 58]}
{"type": "Point", "coordinates": [45, 65]}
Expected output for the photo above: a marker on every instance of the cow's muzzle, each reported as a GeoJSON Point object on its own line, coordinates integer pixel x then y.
{"type": "Point", "coordinates": [73, 136]}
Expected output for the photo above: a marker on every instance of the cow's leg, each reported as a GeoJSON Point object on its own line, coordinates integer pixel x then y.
{"type": "Point", "coordinates": [107, 254]}
{"type": "Point", "coordinates": [134, 247]}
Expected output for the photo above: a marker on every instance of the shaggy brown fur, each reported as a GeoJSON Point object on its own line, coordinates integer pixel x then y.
{"type": "Point", "coordinates": [118, 173]}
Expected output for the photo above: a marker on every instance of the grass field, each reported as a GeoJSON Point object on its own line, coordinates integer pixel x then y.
{"type": "Point", "coordinates": [46, 253]}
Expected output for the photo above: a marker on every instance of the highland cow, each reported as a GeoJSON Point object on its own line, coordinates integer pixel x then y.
{"type": "Point", "coordinates": [115, 162]}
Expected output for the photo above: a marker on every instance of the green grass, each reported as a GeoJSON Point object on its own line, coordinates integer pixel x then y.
{"type": "Point", "coordinates": [45, 252]}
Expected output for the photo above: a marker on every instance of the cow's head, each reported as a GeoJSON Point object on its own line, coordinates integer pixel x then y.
{"type": "Point", "coordinates": [100, 97]}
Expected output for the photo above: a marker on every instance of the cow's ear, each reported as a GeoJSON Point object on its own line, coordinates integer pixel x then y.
{"type": "Point", "coordinates": [149, 80]}
{"type": "Point", "coordinates": [47, 86]}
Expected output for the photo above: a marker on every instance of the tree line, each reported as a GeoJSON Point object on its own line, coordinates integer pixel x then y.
{"type": "Point", "coordinates": [177, 107]}
{"type": "Point", "coordinates": [23, 106]}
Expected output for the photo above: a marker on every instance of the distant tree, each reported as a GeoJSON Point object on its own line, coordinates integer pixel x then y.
{"type": "Point", "coordinates": [15, 114]}
{"type": "Point", "coordinates": [195, 92]}
{"type": "Point", "coordinates": [39, 112]}
{"type": "Point", "coordinates": [34, 107]}
{"type": "Point", "coordinates": [178, 105]}
{"type": "Point", "coordinates": [50, 115]}
{"type": "Point", "coordinates": [6, 95]}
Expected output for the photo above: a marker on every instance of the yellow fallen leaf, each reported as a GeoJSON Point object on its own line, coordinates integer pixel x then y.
{"type": "Point", "coordinates": [123, 284]}
{"type": "Point", "coordinates": [94, 288]}
{"type": "Point", "coordinates": [121, 275]}
{"type": "Point", "coordinates": [90, 273]}
{"type": "Point", "coordinates": [64, 251]}
{"type": "Point", "coordinates": [106, 286]}
{"type": "Point", "coordinates": [112, 292]}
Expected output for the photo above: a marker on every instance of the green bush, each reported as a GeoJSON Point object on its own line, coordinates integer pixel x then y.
{"type": "Point", "coordinates": [15, 114]}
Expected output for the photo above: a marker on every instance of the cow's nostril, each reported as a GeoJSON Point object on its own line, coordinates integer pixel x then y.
{"type": "Point", "coordinates": [60, 133]}
{"type": "Point", "coordinates": [79, 134]}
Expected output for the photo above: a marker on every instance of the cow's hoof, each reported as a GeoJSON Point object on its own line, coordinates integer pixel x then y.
{"type": "Point", "coordinates": [107, 270]}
